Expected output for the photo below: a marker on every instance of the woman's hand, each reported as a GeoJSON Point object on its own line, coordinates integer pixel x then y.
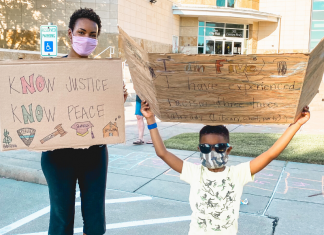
{"type": "Point", "coordinates": [304, 116]}
{"type": "Point", "coordinates": [125, 93]}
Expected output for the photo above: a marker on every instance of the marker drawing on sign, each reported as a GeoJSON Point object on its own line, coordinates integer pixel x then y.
{"type": "Point", "coordinates": [282, 67]}
{"type": "Point", "coordinates": [151, 72]}
{"type": "Point", "coordinates": [27, 135]}
{"type": "Point", "coordinates": [111, 129]}
{"type": "Point", "coordinates": [82, 128]}
{"type": "Point", "coordinates": [60, 131]}
{"type": "Point", "coordinates": [297, 68]}
{"type": "Point", "coordinates": [7, 139]}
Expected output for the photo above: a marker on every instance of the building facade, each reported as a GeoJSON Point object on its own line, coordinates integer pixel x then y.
{"type": "Point", "coordinates": [223, 27]}
{"type": "Point", "coordinates": [178, 26]}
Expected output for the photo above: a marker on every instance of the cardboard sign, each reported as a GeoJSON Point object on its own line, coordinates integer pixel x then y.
{"type": "Point", "coordinates": [61, 103]}
{"type": "Point", "coordinates": [215, 89]}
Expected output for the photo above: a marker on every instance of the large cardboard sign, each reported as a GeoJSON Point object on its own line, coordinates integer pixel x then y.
{"type": "Point", "coordinates": [61, 103]}
{"type": "Point", "coordinates": [214, 89]}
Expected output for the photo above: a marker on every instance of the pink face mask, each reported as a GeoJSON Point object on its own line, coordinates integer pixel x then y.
{"type": "Point", "coordinates": [84, 46]}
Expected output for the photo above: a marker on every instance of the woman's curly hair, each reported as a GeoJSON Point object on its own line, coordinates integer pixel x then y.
{"type": "Point", "coordinates": [87, 13]}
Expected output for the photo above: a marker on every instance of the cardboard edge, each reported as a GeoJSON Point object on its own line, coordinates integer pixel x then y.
{"type": "Point", "coordinates": [320, 46]}
{"type": "Point", "coordinates": [300, 92]}
{"type": "Point", "coordinates": [145, 56]}
{"type": "Point", "coordinates": [123, 102]}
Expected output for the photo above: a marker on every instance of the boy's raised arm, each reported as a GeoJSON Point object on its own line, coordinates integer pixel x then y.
{"type": "Point", "coordinates": [173, 161]}
{"type": "Point", "coordinates": [265, 158]}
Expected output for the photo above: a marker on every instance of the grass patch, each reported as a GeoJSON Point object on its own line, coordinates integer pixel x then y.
{"type": "Point", "coordinates": [303, 147]}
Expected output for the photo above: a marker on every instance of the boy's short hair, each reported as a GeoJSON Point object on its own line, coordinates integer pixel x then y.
{"type": "Point", "coordinates": [217, 130]}
{"type": "Point", "coordinates": [87, 13]}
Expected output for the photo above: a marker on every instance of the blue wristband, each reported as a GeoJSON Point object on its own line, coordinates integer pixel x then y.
{"type": "Point", "coordinates": [152, 126]}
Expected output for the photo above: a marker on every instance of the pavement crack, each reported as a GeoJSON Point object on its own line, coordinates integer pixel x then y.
{"type": "Point", "coordinates": [235, 128]}
{"type": "Point", "coordinates": [156, 177]}
{"type": "Point", "coordinates": [275, 190]}
{"type": "Point", "coordinates": [274, 223]}
{"type": "Point", "coordinates": [290, 200]}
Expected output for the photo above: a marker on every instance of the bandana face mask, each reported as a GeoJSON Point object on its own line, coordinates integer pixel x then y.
{"type": "Point", "coordinates": [214, 160]}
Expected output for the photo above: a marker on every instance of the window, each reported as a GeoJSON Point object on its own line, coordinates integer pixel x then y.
{"type": "Point", "coordinates": [230, 3]}
{"type": "Point", "coordinates": [201, 41]}
{"type": "Point", "coordinates": [214, 32]}
{"type": "Point", "coordinates": [235, 26]}
{"type": "Point", "coordinates": [318, 5]}
{"type": "Point", "coordinates": [220, 3]}
{"type": "Point", "coordinates": [223, 30]}
{"type": "Point", "coordinates": [234, 33]}
{"type": "Point", "coordinates": [222, 38]}
{"type": "Point", "coordinates": [225, 3]}
{"type": "Point", "coordinates": [210, 24]}
{"type": "Point", "coordinates": [201, 37]}
{"type": "Point", "coordinates": [317, 25]}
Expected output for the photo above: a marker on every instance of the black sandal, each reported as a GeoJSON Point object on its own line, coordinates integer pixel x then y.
{"type": "Point", "coordinates": [138, 142]}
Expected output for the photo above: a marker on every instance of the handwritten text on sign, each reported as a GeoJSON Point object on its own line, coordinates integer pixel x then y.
{"type": "Point", "coordinates": [49, 105]}
{"type": "Point", "coordinates": [216, 89]}
{"type": "Point", "coordinates": [254, 89]}
{"type": "Point", "coordinates": [39, 84]}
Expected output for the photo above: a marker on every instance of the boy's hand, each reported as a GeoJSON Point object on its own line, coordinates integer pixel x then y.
{"type": "Point", "coordinates": [173, 161]}
{"type": "Point", "coordinates": [304, 116]}
{"type": "Point", "coordinates": [146, 110]}
{"type": "Point", "coordinates": [265, 158]}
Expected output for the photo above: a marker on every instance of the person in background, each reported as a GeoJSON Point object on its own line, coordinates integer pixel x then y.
{"type": "Point", "coordinates": [140, 123]}
{"type": "Point", "coordinates": [63, 168]}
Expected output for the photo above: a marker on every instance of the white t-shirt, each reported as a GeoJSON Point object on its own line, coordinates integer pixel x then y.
{"type": "Point", "coordinates": [215, 197]}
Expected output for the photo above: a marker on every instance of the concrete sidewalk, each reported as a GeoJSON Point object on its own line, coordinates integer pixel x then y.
{"type": "Point", "coordinates": [25, 165]}
{"type": "Point", "coordinates": [283, 190]}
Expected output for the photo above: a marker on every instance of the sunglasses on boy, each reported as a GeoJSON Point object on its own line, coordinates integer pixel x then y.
{"type": "Point", "coordinates": [219, 148]}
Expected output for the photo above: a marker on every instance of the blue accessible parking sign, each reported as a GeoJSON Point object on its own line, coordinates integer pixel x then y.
{"type": "Point", "coordinates": [48, 46]}
{"type": "Point", "coordinates": [48, 40]}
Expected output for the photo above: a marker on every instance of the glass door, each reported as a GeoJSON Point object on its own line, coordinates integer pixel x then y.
{"type": "Point", "coordinates": [237, 49]}
{"type": "Point", "coordinates": [214, 47]}
{"type": "Point", "coordinates": [228, 48]}
{"type": "Point", "coordinates": [223, 47]}
{"type": "Point", "coordinates": [219, 47]}
{"type": "Point", "coordinates": [210, 47]}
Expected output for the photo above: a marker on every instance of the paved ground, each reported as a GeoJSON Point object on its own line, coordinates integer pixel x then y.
{"type": "Point", "coordinates": [144, 196]}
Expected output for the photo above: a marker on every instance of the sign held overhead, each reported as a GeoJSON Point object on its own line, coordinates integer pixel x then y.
{"type": "Point", "coordinates": [215, 89]}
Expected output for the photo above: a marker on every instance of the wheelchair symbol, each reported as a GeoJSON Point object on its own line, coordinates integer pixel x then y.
{"type": "Point", "coordinates": [48, 46]}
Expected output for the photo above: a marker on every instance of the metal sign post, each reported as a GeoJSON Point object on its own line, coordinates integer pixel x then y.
{"type": "Point", "coordinates": [48, 40]}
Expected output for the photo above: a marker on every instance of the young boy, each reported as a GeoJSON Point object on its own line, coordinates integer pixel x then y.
{"type": "Point", "coordinates": [215, 189]}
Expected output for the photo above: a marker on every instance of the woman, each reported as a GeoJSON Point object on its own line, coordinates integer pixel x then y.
{"type": "Point", "coordinates": [64, 167]}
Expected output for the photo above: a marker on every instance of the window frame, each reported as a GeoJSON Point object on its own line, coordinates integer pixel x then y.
{"type": "Point", "coordinates": [226, 4]}
{"type": "Point", "coordinates": [245, 29]}
{"type": "Point", "coordinates": [314, 41]}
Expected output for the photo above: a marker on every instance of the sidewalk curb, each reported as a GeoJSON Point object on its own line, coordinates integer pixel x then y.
{"type": "Point", "coordinates": [22, 174]}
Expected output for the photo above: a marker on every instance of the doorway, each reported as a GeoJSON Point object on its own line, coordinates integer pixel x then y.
{"type": "Point", "coordinates": [237, 48]}
{"type": "Point", "coordinates": [216, 47]}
